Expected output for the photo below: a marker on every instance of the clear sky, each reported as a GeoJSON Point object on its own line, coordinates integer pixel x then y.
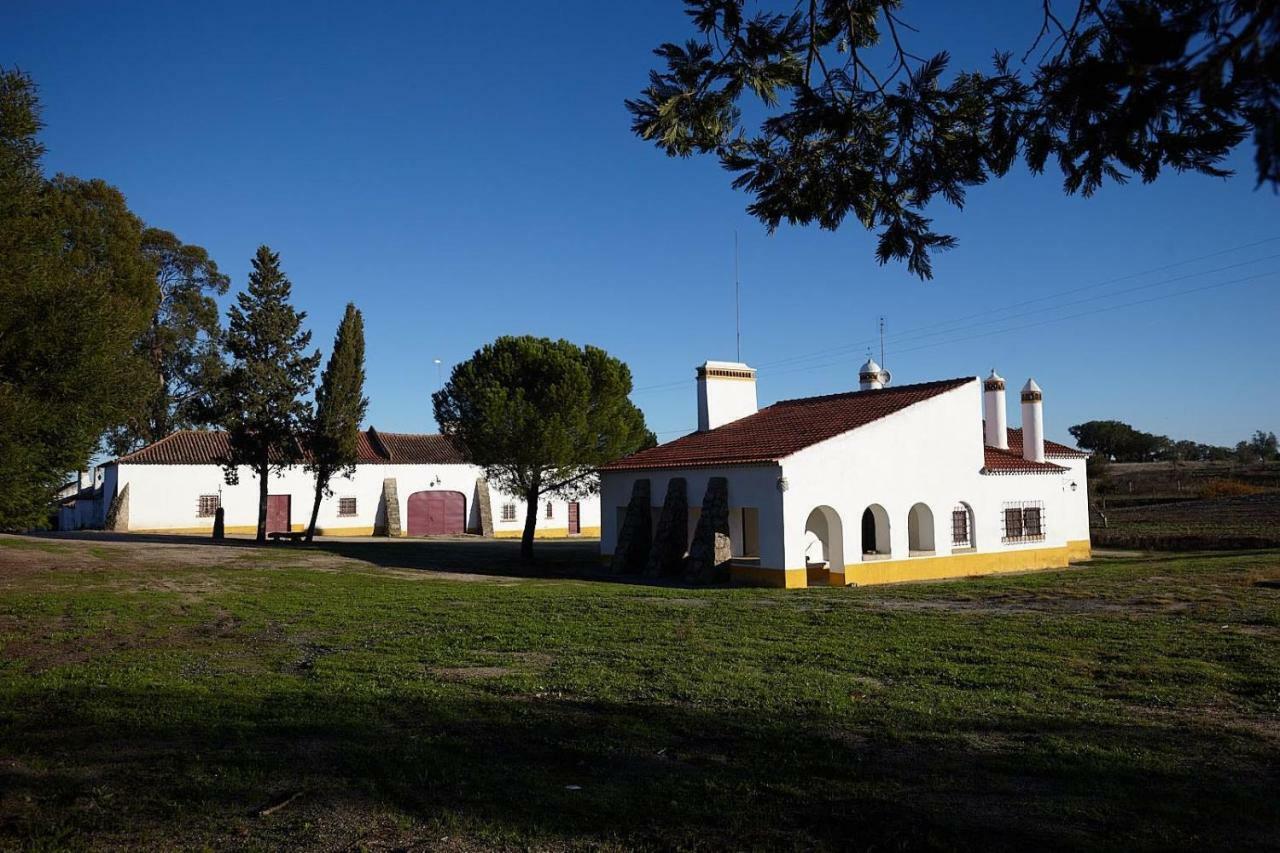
{"type": "Point", "coordinates": [462, 171]}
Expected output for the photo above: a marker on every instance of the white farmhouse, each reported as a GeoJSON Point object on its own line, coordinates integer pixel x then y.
{"type": "Point", "coordinates": [404, 484]}
{"type": "Point", "coordinates": [871, 486]}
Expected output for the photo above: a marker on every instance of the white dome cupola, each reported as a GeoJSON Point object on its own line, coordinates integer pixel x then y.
{"type": "Point", "coordinates": [872, 376]}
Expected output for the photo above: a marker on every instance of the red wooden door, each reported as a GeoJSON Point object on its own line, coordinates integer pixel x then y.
{"type": "Point", "coordinates": [575, 526]}
{"type": "Point", "coordinates": [278, 513]}
{"type": "Point", "coordinates": [437, 514]}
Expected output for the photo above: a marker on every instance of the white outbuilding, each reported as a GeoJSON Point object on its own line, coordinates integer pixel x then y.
{"type": "Point", "coordinates": [887, 483]}
{"type": "Point", "coordinates": [404, 484]}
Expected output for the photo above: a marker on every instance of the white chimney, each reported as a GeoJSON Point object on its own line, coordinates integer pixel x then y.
{"type": "Point", "coordinates": [1032, 422]}
{"type": "Point", "coordinates": [995, 428]}
{"type": "Point", "coordinates": [726, 392]}
{"type": "Point", "coordinates": [872, 377]}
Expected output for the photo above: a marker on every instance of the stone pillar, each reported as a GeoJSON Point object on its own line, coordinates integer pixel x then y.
{"type": "Point", "coordinates": [636, 535]}
{"type": "Point", "coordinates": [486, 509]}
{"type": "Point", "coordinates": [391, 505]}
{"type": "Point", "coordinates": [671, 540]}
{"type": "Point", "coordinates": [118, 513]}
{"type": "Point", "coordinates": [711, 551]}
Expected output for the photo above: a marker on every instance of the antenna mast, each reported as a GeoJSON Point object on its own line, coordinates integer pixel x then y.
{"type": "Point", "coordinates": [737, 301]}
{"type": "Point", "coordinates": [882, 341]}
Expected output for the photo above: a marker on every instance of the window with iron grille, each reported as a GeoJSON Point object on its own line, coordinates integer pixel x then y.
{"type": "Point", "coordinates": [508, 512]}
{"type": "Point", "coordinates": [551, 510]}
{"type": "Point", "coordinates": [207, 506]}
{"type": "Point", "coordinates": [960, 535]}
{"type": "Point", "coordinates": [346, 507]}
{"type": "Point", "coordinates": [1023, 521]}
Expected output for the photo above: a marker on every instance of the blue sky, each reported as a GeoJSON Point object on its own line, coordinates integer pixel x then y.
{"type": "Point", "coordinates": [461, 174]}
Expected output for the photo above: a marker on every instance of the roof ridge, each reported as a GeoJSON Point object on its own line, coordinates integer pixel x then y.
{"type": "Point", "coordinates": [915, 386]}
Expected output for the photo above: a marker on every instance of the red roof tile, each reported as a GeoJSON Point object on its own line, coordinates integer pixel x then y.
{"type": "Point", "coordinates": [209, 447]}
{"type": "Point", "coordinates": [785, 427]}
{"type": "Point", "coordinates": [1051, 448]}
{"type": "Point", "coordinates": [997, 461]}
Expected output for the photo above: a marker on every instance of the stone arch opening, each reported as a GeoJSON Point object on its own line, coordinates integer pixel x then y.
{"type": "Point", "coordinates": [823, 545]}
{"type": "Point", "coordinates": [875, 532]}
{"type": "Point", "coordinates": [920, 538]}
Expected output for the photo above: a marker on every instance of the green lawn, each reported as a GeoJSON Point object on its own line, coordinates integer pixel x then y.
{"type": "Point", "coordinates": [161, 695]}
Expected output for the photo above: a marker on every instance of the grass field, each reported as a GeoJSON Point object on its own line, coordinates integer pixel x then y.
{"type": "Point", "coordinates": [157, 695]}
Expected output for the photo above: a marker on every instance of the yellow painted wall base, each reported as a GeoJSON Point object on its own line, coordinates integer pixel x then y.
{"type": "Point", "coordinates": [549, 533]}
{"type": "Point", "coordinates": [1079, 550]}
{"type": "Point", "coordinates": [760, 576]}
{"type": "Point", "coordinates": [251, 529]}
{"type": "Point", "coordinates": [955, 566]}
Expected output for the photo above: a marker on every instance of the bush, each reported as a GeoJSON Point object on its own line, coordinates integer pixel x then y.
{"type": "Point", "coordinates": [1229, 489]}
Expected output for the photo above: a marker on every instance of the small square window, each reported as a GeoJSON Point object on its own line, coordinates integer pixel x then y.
{"type": "Point", "coordinates": [207, 506]}
{"type": "Point", "coordinates": [508, 512]}
{"type": "Point", "coordinates": [346, 507]}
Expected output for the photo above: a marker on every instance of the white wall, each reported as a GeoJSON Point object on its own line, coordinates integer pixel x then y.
{"type": "Point", "coordinates": [932, 453]}
{"type": "Point", "coordinates": [166, 497]}
{"type": "Point", "coordinates": [749, 486]}
{"type": "Point", "coordinates": [1076, 513]}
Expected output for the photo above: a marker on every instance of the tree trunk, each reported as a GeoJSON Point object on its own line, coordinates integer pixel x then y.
{"type": "Point", "coordinates": [262, 503]}
{"type": "Point", "coordinates": [530, 523]}
{"type": "Point", "coordinates": [322, 480]}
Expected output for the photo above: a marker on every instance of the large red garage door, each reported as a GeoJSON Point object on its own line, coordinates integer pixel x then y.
{"type": "Point", "coordinates": [437, 513]}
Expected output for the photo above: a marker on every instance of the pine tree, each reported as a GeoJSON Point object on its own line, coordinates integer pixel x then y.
{"type": "Point", "coordinates": [340, 407]}
{"type": "Point", "coordinates": [540, 416]}
{"type": "Point", "coordinates": [261, 395]}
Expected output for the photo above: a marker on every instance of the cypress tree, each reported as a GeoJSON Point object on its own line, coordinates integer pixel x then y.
{"type": "Point", "coordinates": [340, 407]}
{"type": "Point", "coordinates": [261, 395]}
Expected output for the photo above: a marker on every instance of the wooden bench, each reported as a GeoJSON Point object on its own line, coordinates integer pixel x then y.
{"type": "Point", "coordinates": [294, 537]}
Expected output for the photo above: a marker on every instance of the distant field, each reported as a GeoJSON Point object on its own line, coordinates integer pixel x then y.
{"type": "Point", "coordinates": [1219, 523]}
{"type": "Point", "coordinates": [344, 697]}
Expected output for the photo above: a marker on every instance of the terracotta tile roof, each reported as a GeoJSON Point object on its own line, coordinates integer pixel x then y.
{"type": "Point", "coordinates": [997, 461]}
{"type": "Point", "coordinates": [785, 427]}
{"type": "Point", "coordinates": [410, 448]}
{"type": "Point", "coordinates": [1051, 448]}
{"type": "Point", "coordinates": [209, 447]}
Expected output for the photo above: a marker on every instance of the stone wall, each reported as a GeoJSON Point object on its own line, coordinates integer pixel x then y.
{"type": "Point", "coordinates": [118, 513]}
{"type": "Point", "coordinates": [636, 536]}
{"type": "Point", "coordinates": [711, 550]}
{"type": "Point", "coordinates": [486, 508]}
{"type": "Point", "coordinates": [671, 540]}
{"type": "Point", "coordinates": [391, 502]}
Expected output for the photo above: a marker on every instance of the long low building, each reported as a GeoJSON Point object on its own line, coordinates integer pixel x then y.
{"type": "Point", "coordinates": [886, 483]}
{"type": "Point", "coordinates": [404, 485]}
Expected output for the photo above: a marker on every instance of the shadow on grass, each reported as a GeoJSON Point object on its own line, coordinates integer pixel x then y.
{"type": "Point", "coordinates": [500, 771]}
{"type": "Point", "coordinates": [554, 558]}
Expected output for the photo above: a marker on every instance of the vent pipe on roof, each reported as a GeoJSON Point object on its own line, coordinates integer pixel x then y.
{"type": "Point", "coordinates": [995, 427]}
{"type": "Point", "coordinates": [1032, 422]}
{"type": "Point", "coordinates": [726, 393]}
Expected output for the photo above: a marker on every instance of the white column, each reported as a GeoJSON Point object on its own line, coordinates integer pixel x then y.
{"type": "Point", "coordinates": [1032, 422]}
{"type": "Point", "coordinates": [995, 426]}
